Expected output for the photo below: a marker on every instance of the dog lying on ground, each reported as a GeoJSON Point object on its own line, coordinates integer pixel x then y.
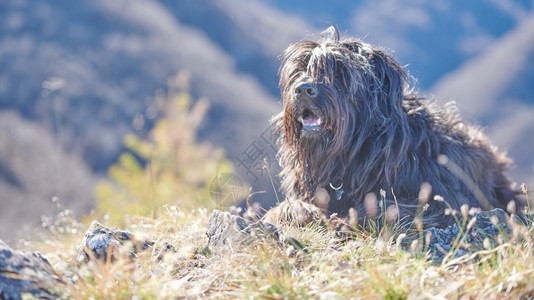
{"type": "Point", "coordinates": [351, 131]}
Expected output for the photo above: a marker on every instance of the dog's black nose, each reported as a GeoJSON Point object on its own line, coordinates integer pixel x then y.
{"type": "Point", "coordinates": [305, 89]}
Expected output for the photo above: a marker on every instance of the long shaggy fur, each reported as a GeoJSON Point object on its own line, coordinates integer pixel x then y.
{"type": "Point", "coordinates": [371, 133]}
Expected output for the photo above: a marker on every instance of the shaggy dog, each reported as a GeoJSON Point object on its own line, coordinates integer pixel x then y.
{"type": "Point", "coordinates": [351, 129]}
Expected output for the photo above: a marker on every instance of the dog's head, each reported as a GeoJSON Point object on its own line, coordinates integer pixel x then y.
{"type": "Point", "coordinates": [337, 92]}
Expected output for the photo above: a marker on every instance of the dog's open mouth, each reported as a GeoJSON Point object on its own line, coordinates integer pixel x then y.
{"type": "Point", "coordinates": [310, 120]}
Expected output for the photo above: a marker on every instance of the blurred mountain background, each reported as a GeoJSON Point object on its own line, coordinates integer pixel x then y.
{"type": "Point", "coordinates": [77, 76]}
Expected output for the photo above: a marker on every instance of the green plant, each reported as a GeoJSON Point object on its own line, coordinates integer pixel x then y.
{"type": "Point", "coordinates": [167, 167]}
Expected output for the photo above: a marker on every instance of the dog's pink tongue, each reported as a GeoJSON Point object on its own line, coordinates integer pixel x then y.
{"type": "Point", "coordinates": [311, 121]}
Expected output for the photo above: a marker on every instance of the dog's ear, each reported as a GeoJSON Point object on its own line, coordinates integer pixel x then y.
{"type": "Point", "coordinates": [390, 78]}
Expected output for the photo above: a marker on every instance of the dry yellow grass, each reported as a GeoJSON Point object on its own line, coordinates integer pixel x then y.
{"type": "Point", "coordinates": [367, 266]}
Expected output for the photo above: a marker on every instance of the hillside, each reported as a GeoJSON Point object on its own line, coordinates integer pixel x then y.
{"type": "Point", "coordinates": [88, 73]}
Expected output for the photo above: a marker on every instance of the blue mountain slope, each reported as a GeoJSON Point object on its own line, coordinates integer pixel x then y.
{"type": "Point", "coordinates": [111, 56]}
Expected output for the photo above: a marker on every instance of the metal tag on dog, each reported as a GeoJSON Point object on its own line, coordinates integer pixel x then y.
{"type": "Point", "coordinates": [338, 191]}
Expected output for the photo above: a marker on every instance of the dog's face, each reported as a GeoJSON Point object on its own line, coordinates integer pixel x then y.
{"type": "Point", "coordinates": [335, 91]}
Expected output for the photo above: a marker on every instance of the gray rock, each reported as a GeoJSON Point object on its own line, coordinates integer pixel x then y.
{"type": "Point", "coordinates": [443, 239]}
{"type": "Point", "coordinates": [226, 231]}
{"type": "Point", "coordinates": [103, 243]}
{"type": "Point", "coordinates": [23, 273]}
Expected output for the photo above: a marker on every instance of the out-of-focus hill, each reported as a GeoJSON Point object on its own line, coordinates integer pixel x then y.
{"type": "Point", "coordinates": [84, 71]}
{"type": "Point", "coordinates": [113, 56]}
{"type": "Point", "coordinates": [35, 170]}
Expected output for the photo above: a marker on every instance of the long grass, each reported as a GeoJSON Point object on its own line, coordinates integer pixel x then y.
{"type": "Point", "coordinates": [364, 266]}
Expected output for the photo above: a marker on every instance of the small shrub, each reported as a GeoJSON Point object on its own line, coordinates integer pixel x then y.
{"type": "Point", "coordinates": [168, 167]}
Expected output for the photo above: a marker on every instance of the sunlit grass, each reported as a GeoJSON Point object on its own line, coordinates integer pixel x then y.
{"type": "Point", "coordinates": [363, 266]}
